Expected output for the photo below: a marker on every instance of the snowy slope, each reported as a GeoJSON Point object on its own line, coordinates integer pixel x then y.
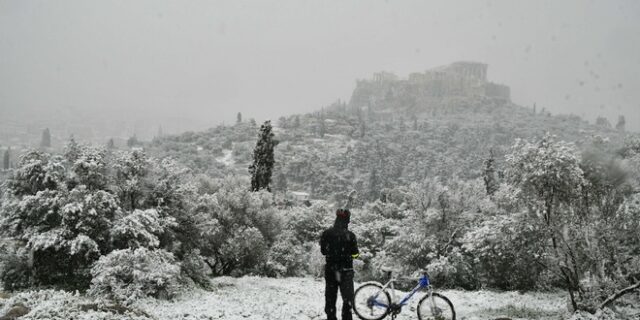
{"type": "Point", "coordinates": [303, 298]}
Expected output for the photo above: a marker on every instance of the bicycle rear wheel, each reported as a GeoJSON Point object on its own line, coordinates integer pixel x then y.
{"type": "Point", "coordinates": [441, 309]}
{"type": "Point", "coordinates": [371, 302]}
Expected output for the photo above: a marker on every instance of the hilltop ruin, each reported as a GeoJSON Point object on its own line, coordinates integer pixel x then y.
{"type": "Point", "coordinates": [459, 79]}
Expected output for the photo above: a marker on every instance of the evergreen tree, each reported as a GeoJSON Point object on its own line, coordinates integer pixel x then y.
{"type": "Point", "coordinates": [603, 122]}
{"type": "Point", "coordinates": [363, 129]}
{"type": "Point", "coordinates": [239, 118]}
{"type": "Point", "coordinates": [489, 174]}
{"type": "Point", "coordinates": [133, 141]}
{"type": "Point", "coordinates": [284, 123]}
{"type": "Point", "coordinates": [322, 129]}
{"type": "Point", "coordinates": [72, 150]}
{"type": "Point", "coordinates": [7, 158]}
{"type": "Point", "coordinates": [46, 138]}
{"type": "Point", "coordinates": [296, 122]}
{"type": "Point", "coordinates": [621, 123]}
{"type": "Point", "coordinates": [111, 144]}
{"type": "Point", "coordinates": [374, 185]}
{"type": "Point", "coordinates": [263, 159]}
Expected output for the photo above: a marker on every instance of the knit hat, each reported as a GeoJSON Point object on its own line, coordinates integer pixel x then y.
{"type": "Point", "coordinates": [343, 214]}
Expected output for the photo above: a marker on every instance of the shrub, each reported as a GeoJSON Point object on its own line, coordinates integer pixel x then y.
{"type": "Point", "coordinates": [54, 304]}
{"type": "Point", "coordinates": [127, 275]}
{"type": "Point", "coordinates": [194, 266]}
{"type": "Point", "coordinates": [286, 257]}
{"type": "Point", "coordinates": [244, 252]}
{"type": "Point", "coordinates": [15, 273]}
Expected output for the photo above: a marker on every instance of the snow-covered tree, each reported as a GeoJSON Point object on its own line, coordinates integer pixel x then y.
{"type": "Point", "coordinates": [139, 229]}
{"type": "Point", "coordinates": [37, 171]}
{"type": "Point", "coordinates": [236, 226]}
{"type": "Point", "coordinates": [547, 173]}
{"type": "Point", "coordinates": [131, 169]}
{"type": "Point", "coordinates": [45, 142]}
{"type": "Point", "coordinates": [263, 159]}
{"type": "Point", "coordinates": [133, 141]}
{"type": "Point", "coordinates": [65, 215]}
{"type": "Point", "coordinates": [90, 169]}
{"type": "Point", "coordinates": [72, 150]}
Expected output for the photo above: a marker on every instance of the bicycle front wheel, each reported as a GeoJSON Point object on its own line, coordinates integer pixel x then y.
{"type": "Point", "coordinates": [371, 302]}
{"type": "Point", "coordinates": [440, 308]}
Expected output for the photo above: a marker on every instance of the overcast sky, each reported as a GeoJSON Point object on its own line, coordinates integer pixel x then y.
{"type": "Point", "coordinates": [207, 60]}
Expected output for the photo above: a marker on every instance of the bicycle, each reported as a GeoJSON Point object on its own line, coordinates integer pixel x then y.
{"type": "Point", "coordinates": [372, 301]}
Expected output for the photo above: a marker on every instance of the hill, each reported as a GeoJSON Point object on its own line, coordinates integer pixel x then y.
{"type": "Point", "coordinates": [444, 122]}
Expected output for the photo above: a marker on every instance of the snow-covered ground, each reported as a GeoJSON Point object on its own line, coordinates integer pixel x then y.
{"type": "Point", "coordinates": [303, 298]}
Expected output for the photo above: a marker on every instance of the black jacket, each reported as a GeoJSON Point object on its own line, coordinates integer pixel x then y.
{"type": "Point", "coordinates": [338, 244]}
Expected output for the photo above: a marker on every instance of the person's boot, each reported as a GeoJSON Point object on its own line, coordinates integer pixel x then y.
{"type": "Point", "coordinates": [331, 314]}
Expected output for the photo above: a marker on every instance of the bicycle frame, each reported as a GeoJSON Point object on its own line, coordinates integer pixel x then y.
{"type": "Point", "coordinates": [423, 282]}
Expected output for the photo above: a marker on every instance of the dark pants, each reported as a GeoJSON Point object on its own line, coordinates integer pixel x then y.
{"type": "Point", "coordinates": [338, 278]}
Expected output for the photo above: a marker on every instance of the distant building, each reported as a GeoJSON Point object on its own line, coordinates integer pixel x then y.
{"type": "Point", "coordinates": [299, 196]}
{"type": "Point", "coordinates": [459, 79]}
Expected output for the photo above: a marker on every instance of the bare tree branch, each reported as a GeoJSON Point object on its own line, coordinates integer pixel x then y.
{"type": "Point", "coordinates": [619, 294]}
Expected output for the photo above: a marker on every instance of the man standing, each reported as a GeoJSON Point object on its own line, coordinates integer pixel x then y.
{"type": "Point", "coordinates": [340, 247]}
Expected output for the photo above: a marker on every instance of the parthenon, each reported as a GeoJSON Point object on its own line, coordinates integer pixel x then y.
{"type": "Point", "coordinates": [464, 79]}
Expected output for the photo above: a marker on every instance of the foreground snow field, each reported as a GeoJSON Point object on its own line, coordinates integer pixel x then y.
{"type": "Point", "coordinates": [303, 298]}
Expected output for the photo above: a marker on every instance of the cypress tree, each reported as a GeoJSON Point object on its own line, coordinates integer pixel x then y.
{"type": "Point", "coordinates": [374, 185]}
{"type": "Point", "coordinates": [620, 126]}
{"type": "Point", "coordinates": [7, 158]}
{"type": "Point", "coordinates": [263, 159]}
{"type": "Point", "coordinates": [489, 175]}
{"type": "Point", "coordinates": [321, 127]}
{"type": "Point", "coordinates": [46, 138]}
